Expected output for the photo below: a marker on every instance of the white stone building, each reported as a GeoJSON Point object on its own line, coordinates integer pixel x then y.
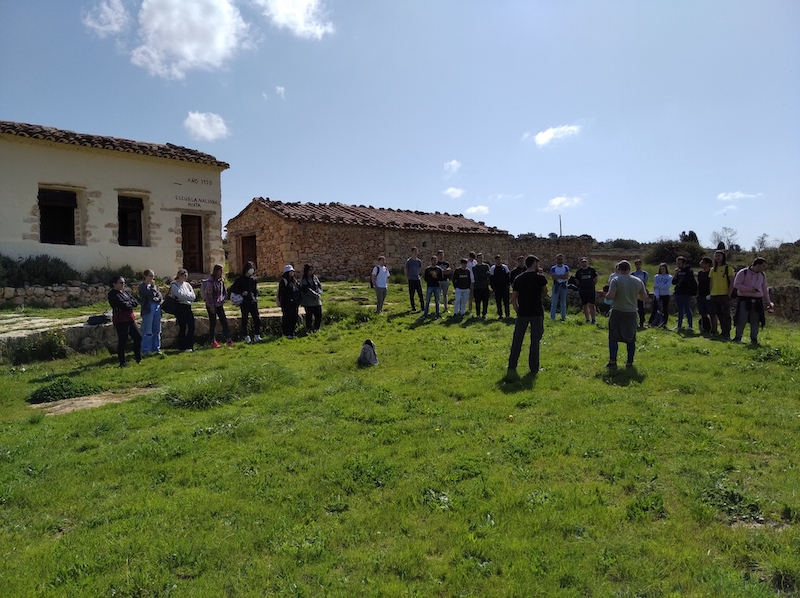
{"type": "Point", "coordinates": [98, 201]}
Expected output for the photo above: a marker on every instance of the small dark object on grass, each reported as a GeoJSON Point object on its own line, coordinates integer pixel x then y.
{"type": "Point", "coordinates": [368, 355]}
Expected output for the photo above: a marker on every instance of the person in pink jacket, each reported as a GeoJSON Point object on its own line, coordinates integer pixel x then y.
{"type": "Point", "coordinates": [751, 287]}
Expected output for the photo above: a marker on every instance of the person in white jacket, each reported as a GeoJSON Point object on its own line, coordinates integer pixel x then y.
{"type": "Point", "coordinates": [662, 289]}
{"type": "Point", "coordinates": [184, 293]}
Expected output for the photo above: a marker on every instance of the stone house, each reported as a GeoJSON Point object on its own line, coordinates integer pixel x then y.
{"type": "Point", "coordinates": [98, 201]}
{"type": "Point", "coordinates": [344, 241]}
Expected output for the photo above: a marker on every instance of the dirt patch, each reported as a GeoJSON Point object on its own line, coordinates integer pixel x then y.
{"type": "Point", "coordinates": [88, 402]}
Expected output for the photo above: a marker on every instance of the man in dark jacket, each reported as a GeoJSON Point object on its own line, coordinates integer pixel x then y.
{"type": "Point", "coordinates": [499, 280]}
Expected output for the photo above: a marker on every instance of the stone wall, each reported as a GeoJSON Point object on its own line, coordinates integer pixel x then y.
{"type": "Point", "coordinates": [343, 251]}
{"type": "Point", "coordinates": [70, 294]}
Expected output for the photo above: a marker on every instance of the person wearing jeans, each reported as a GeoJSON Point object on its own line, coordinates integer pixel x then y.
{"type": "Point", "coordinates": [214, 295]}
{"type": "Point", "coordinates": [461, 283]}
{"type": "Point", "coordinates": [685, 287]}
{"type": "Point", "coordinates": [559, 273]}
{"type": "Point", "coordinates": [380, 281]}
{"type": "Point", "coordinates": [184, 293]}
{"type": "Point", "coordinates": [150, 299]}
{"type": "Point", "coordinates": [529, 288]}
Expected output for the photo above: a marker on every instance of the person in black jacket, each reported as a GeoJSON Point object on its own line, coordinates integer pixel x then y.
{"type": "Point", "coordinates": [122, 303]}
{"type": "Point", "coordinates": [245, 285]}
{"type": "Point", "coordinates": [500, 281]}
{"type": "Point", "coordinates": [685, 288]}
{"type": "Point", "coordinates": [289, 297]}
{"type": "Point", "coordinates": [704, 295]}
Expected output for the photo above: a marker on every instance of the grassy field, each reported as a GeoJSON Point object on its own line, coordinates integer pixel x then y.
{"type": "Point", "coordinates": [283, 469]}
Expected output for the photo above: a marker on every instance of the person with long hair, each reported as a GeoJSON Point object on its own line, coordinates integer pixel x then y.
{"type": "Point", "coordinates": [214, 295]}
{"type": "Point", "coordinates": [685, 288]}
{"type": "Point", "coordinates": [246, 286]}
{"type": "Point", "coordinates": [124, 319]}
{"type": "Point", "coordinates": [150, 299]}
{"type": "Point", "coordinates": [721, 277]}
{"type": "Point", "coordinates": [288, 300]}
{"type": "Point", "coordinates": [662, 288]}
{"type": "Point", "coordinates": [311, 298]}
{"type": "Point", "coordinates": [184, 293]}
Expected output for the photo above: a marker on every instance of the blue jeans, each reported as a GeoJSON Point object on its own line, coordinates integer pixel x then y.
{"type": "Point", "coordinates": [520, 328]}
{"type": "Point", "coordinates": [437, 293]}
{"type": "Point", "coordinates": [460, 305]}
{"type": "Point", "coordinates": [684, 306]}
{"type": "Point", "coordinates": [151, 330]}
{"type": "Point", "coordinates": [559, 300]}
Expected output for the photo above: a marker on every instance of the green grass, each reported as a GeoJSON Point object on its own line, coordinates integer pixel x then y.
{"type": "Point", "coordinates": [283, 469]}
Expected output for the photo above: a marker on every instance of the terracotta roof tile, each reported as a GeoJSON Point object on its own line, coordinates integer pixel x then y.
{"type": "Point", "coordinates": [378, 217]}
{"type": "Point", "coordinates": [169, 151]}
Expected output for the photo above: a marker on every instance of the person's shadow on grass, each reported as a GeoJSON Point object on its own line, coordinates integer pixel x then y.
{"type": "Point", "coordinates": [621, 376]}
{"type": "Point", "coordinates": [525, 382]}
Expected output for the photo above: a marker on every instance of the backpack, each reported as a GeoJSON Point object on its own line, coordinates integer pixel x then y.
{"type": "Point", "coordinates": [657, 317]}
{"type": "Point", "coordinates": [368, 355]}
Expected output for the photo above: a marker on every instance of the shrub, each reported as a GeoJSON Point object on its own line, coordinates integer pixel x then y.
{"type": "Point", "coordinates": [36, 269]}
{"type": "Point", "coordinates": [667, 250]}
{"type": "Point", "coordinates": [104, 274]}
{"type": "Point", "coordinates": [47, 346]}
{"type": "Point", "coordinates": [62, 388]}
{"type": "Point", "coordinates": [624, 243]}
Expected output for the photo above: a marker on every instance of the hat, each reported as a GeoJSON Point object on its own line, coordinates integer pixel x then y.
{"type": "Point", "coordinates": [288, 268]}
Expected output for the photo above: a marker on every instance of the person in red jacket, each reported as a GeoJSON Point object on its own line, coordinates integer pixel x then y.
{"type": "Point", "coordinates": [124, 320]}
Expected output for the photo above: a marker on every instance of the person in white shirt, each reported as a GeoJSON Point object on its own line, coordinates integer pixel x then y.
{"type": "Point", "coordinates": [662, 289]}
{"type": "Point", "coordinates": [559, 273]}
{"type": "Point", "coordinates": [380, 280]}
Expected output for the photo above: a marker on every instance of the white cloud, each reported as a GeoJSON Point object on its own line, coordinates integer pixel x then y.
{"type": "Point", "coordinates": [736, 195]}
{"type": "Point", "coordinates": [106, 18]}
{"type": "Point", "coordinates": [453, 192]}
{"type": "Point", "coordinates": [477, 211]}
{"type": "Point", "coordinates": [304, 18]}
{"type": "Point", "coordinates": [452, 166]}
{"type": "Point", "coordinates": [184, 35]}
{"type": "Point", "coordinates": [558, 203]}
{"type": "Point", "coordinates": [205, 126]}
{"type": "Point", "coordinates": [723, 211]}
{"type": "Point", "coordinates": [545, 137]}
{"type": "Point", "coordinates": [281, 91]}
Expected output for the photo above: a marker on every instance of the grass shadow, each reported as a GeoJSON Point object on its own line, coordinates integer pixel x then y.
{"type": "Point", "coordinates": [621, 376]}
{"type": "Point", "coordinates": [525, 382]}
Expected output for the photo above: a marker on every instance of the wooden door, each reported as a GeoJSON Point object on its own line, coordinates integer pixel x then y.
{"type": "Point", "coordinates": [249, 250]}
{"type": "Point", "coordinates": [192, 243]}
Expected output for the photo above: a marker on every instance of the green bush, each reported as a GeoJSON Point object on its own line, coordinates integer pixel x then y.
{"type": "Point", "coordinates": [47, 346]}
{"type": "Point", "coordinates": [667, 250]}
{"type": "Point", "coordinates": [35, 270]}
{"type": "Point", "coordinates": [104, 274]}
{"type": "Point", "coordinates": [62, 388]}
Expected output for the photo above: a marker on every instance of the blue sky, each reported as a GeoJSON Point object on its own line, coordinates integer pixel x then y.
{"type": "Point", "coordinates": [628, 119]}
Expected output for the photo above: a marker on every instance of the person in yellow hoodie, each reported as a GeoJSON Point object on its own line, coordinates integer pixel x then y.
{"type": "Point", "coordinates": [721, 277]}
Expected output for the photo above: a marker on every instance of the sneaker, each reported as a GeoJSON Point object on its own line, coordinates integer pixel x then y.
{"type": "Point", "coordinates": [690, 329]}
{"type": "Point", "coordinates": [511, 375]}
{"type": "Point", "coordinates": [629, 364]}
{"type": "Point", "coordinates": [675, 328]}
{"type": "Point", "coordinates": [229, 343]}
{"type": "Point", "coordinates": [737, 340]}
{"type": "Point", "coordinates": [612, 365]}
{"type": "Point", "coordinates": [187, 350]}
{"type": "Point", "coordinates": [247, 339]}
{"type": "Point", "coordinates": [214, 344]}
{"type": "Point", "coordinates": [257, 338]}
{"type": "Point", "coordinates": [594, 321]}
{"type": "Point", "coordinates": [290, 337]}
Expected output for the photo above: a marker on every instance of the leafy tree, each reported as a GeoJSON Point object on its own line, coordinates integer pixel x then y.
{"type": "Point", "coordinates": [667, 250]}
{"type": "Point", "coordinates": [762, 243]}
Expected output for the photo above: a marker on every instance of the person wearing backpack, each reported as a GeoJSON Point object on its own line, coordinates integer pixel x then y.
{"type": "Point", "coordinates": [752, 293]}
{"type": "Point", "coordinates": [380, 281]}
{"type": "Point", "coordinates": [685, 288]}
{"type": "Point", "coordinates": [311, 298]}
{"type": "Point", "coordinates": [721, 277]}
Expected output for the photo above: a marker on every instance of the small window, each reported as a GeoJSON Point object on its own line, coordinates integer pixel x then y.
{"type": "Point", "coordinates": [57, 216]}
{"type": "Point", "coordinates": [130, 221]}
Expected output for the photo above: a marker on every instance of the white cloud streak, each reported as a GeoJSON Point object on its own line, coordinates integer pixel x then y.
{"type": "Point", "coordinates": [736, 196]}
{"type": "Point", "coordinates": [726, 209]}
{"type": "Point", "coordinates": [558, 203]}
{"type": "Point", "coordinates": [477, 211]}
{"type": "Point", "coordinates": [452, 166]}
{"type": "Point", "coordinates": [304, 18]}
{"type": "Point", "coordinates": [545, 137]}
{"type": "Point", "coordinates": [107, 18]}
{"type": "Point", "coordinates": [280, 91]}
{"type": "Point", "coordinates": [184, 35]}
{"type": "Point", "coordinates": [504, 197]}
{"type": "Point", "coordinates": [453, 192]}
{"type": "Point", "coordinates": [205, 126]}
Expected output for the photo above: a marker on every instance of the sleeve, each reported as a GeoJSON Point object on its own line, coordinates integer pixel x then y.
{"type": "Point", "coordinates": [738, 280]}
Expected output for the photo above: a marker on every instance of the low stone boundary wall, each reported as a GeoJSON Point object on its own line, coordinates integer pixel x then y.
{"type": "Point", "coordinates": [70, 294]}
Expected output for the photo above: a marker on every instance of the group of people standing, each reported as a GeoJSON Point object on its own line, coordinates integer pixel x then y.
{"type": "Point", "coordinates": [292, 293]}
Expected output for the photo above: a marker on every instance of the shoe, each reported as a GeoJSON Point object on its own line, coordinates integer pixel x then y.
{"type": "Point", "coordinates": [123, 365]}
{"type": "Point", "coordinates": [690, 329]}
{"type": "Point", "coordinates": [629, 364]}
{"type": "Point", "coordinates": [612, 365]}
{"type": "Point", "coordinates": [187, 350]}
{"type": "Point", "coordinates": [587, 321]}
{"type": "Point", "coordinates": [257, 338]}
{"type": "Point", "coordinates": [214, 344]}
{"type": "Point", "coordinates": [594, 321]}
{"type": "Point", "coordinates": [675, 328]}
{"type": "Point", "coordinates": [247, 339]}
{"type": "Point", "coordinates": [229, 343]}
{"type": "Point", "coordinates": [290, 337]}
{"type": "Point", "coordinates": [737, 340]}
{"type": "Point", "coordinates": [511, 375]}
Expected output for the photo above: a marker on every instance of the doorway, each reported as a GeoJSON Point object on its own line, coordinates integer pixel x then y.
{"type": "Point", "coordinates": [249, 250]}
{"type": "Point", "coordinates": [192, 242]}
